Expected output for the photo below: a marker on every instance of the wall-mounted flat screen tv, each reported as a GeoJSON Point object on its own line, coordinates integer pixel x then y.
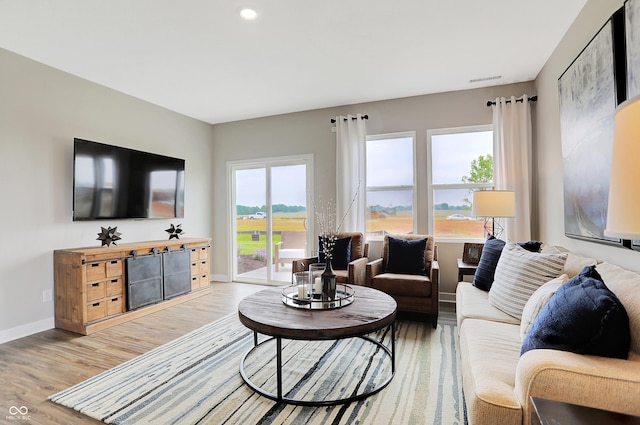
{"type": "Point", "coordinates": [111, 182]}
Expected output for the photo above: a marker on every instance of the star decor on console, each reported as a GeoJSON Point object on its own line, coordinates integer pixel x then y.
{"type": "Point", "coordinates": [175, 231]}
{"type": "Point", "coordinates": [109, 236]}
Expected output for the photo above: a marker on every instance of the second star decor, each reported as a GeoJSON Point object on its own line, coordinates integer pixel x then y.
{"type": "Point", "coordinates": [588, 95]}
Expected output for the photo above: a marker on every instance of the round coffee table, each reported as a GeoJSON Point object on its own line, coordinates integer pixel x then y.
{"type": "Point", "coordinates": [265, 313]}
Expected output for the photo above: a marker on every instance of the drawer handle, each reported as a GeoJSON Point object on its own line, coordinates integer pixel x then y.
{"type": "Point", "coordinates": [95, 285]}
{"type": "Point", "coordinates": [193, 278]}
{"type": "Point", "coordinates": [114, 280]}
{"type": "Point", "coordinates": [114, 262]}
{"type": "Point", "coordinates": [95, 264]}
{"type": "Point", "coordinates": [114, 299]}
{"type": "Point", "coordinates": [95, 305]}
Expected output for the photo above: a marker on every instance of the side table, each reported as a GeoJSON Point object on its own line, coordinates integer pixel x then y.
{"type": "Point", "coordinates": [465, 269]}
{"type": "Point", "coordinates": [551, 412]}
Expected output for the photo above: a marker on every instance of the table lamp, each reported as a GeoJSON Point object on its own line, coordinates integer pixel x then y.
{"type": "Point", "coordinates": [623, 214]}
{"type": "Point", "coordinates": [492, 204]}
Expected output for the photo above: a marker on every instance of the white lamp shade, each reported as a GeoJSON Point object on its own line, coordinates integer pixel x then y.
{"type": "Point", "coordinates": [494, 203]}
{"type": "Point", "coordinates": [623, 215]}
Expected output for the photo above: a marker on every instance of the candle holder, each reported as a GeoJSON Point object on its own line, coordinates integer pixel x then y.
{"type": "Point", "coordinates": [343, 297]}
{"type": "Point", "coordinates": [303, 288]}
{"type": "Point", "coordinates": [315, 274]}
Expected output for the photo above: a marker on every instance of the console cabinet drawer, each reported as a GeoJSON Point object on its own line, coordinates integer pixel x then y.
{"type": "Point", "coordinates": [96, 311]}
{"type": "Point", "coordinates": [96, 271]}
{"type": "Point", "coordinates": [115, 287]}
{"type": "Point", "coordinates": [114, 268]}
{"type": "Point", "coordinates": [204, 280]}
{"type": "Point", "coordinates": [114, 306]}
{"type": "Point", "coordinates": [95, 291]}
{"type": "Point", "coordinates": [203, 267]}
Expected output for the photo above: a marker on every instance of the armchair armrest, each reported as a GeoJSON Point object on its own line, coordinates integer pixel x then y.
{"type": "Point", "coordinates": [357, 271]}
{"type": "Point", "coordinates": [373, 268]}
{"type": "Point", "coordinates": [434, 274]}
{"type": "Point", "coordinates": [302, 265]}
{"type": "Point", "coordinates": [592, 381]}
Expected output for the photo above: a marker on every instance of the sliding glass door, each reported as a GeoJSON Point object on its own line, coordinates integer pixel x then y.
{"type": "Point", "coordinates": [269, 217]}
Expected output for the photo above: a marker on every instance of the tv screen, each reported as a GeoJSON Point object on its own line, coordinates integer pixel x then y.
{"type": "Point", "coordinates": [111, 182]}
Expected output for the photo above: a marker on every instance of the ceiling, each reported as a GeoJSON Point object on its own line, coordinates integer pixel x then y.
{"type": "Point", "coordinates": [199, 58]}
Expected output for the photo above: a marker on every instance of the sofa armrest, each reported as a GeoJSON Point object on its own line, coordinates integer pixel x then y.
{"type": "Point", "coordinates": [373, 268]}
{"type": "Point", "coordinates": [592, 381]}
{"type": "Point", "coordinates": [357, 271]}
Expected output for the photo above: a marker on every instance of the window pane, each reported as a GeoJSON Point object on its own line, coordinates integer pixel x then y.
{"type": "Point", "coordinates": [390, 162]}
{"type": "Point", "coordinates": [452, 215]}
{"type": "Point", "coordinates": [453, 155]}
{"type": "Point", "coordinates": [389, 211]}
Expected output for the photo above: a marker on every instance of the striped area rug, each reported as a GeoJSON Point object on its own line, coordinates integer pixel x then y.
{"type": "Point", "coordinates": [195, 380]}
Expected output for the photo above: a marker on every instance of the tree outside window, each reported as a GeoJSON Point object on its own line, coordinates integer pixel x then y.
{"type": "Point", "coordinates": [461, 161]}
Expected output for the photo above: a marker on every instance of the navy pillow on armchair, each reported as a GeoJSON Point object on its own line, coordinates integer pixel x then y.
{"type": "Point", "coordinates": [583, 317]}
{"type": "Point", "coordinates": [406, 256]}
{"type": "Point", "coordinates": [341, 253]}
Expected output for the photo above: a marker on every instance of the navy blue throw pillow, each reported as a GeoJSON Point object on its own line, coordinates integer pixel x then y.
{"type": "Point", "coordinates": [583, 317]}
{"type": "Point", "coordinates": [341, 253]}
{"type": "Point", "coordinates": [489, 258]}
{"type": "Point", "coordinates": [406, 256]}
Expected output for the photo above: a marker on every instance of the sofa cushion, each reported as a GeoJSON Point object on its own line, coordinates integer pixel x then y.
{"type": "Point", "coordinates": [473, 303]}
{"type": "Point", "coordinates": [403, 284]}
{"type": "Point", "coordinates": [583, 317]}
{"type": "Point", "coordinates": [489, 258]}
{"type": "Point", "coordinates": [539, 299]}
{"type": "Point", "coordinates": [518, 274]}
{"type": "Point", "coordinates": [406, 256]}
{"type": "Point", "coordinates": [341, 253]}
{"type": "Point", "coordinates": [489, 353]}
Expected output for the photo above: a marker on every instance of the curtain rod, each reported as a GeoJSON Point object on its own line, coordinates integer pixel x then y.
{"type": "Point", "coordinates": [531, 99]}
{"type": "Point", "coordinates": [364, 117]}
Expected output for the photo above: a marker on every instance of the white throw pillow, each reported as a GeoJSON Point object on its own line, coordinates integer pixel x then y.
{"type": "Point", "coordinates": [518, 274]}
{"type": "Point", "coordinates": [538, 300]}
{"type": "Point", "coordinates": [575, 263]}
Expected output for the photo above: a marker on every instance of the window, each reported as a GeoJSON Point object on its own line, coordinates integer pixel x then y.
{"type": "Point", "coordinates": [461, 161]}
{"type": "Point", "coordinates": [390, 185]}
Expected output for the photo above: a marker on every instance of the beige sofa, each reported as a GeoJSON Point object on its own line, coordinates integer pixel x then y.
{"type": "Point", "coordinates": [498, 382]}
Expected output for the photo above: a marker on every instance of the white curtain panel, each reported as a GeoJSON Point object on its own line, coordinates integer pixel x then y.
{"type": "Point", "coordinates": [350, 172]}
{"type": "Point", "coordinates": [512, 162]}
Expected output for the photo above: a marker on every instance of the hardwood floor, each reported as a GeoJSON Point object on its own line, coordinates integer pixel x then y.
{"type": "Point", "coordinates": [34, 367]}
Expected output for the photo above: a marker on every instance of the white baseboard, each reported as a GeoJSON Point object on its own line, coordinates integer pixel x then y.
{"type": "Point", "coordinates": [220, 278]}
{"type": "Point", "coordinates": [447, 297]}
{"type": "Point", "coordinates": [26, 330]}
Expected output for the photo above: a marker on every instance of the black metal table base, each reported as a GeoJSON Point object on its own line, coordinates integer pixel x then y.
{"type": "Point", "coordinates": [279, 397]}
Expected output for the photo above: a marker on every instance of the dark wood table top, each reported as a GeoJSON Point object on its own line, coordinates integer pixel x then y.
{"type": "Point", "coordinates": [264, 312]}
{"type": "Point", "coordinates": [551, 412]}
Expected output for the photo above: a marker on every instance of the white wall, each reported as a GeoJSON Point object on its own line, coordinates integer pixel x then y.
{"type": "Point", "coordinates": [310, 132]}
{"type": "Point", "coordinates": [551, 209]}
{"type": "Point", "coordinates": [41, 111]}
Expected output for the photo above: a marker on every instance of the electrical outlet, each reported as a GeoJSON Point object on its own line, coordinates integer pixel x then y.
{"type": "Point", "coordinates": [47, 295]}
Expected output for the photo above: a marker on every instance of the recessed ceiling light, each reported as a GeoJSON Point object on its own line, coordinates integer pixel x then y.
{"type": "Point", "coordinates": [248, 14]}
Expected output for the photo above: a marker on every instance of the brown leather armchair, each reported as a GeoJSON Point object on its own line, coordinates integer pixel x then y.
{"type": "Point", "coordinates": [415, 293]}
{"type": "Point", "coordinates": [356, 269]}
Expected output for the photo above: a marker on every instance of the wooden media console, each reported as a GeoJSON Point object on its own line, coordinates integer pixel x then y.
{"type": "Point", "coordinates": [90, 284]}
